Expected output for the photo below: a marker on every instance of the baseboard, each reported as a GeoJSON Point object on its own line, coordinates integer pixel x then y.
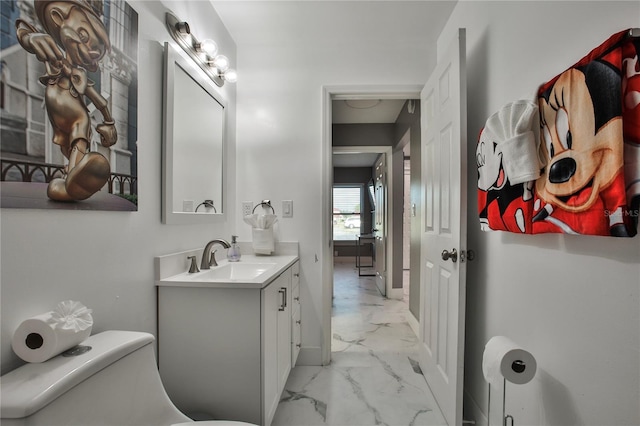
{"type": "Point", "coordinates": [413, 323]}
{"type": "Point", "coordinates": [472, 412]}
{"type": "Point", "coordinates": [310, 355]}
{"type": "Point", "coordinates": [395, 293]}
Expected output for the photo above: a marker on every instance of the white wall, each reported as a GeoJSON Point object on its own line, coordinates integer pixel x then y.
{"type": "Point", "coordinates": [105, 259]}
{"type": "Point", "coordinates": [573, 301]}
{"type": "Point", "coordinates": [280, 130]}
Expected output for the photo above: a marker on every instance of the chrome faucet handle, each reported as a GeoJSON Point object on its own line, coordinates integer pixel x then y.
{"type": "Point", "coordinates": [194, 265]}
{"type": "Point", "coordinates": [208, 258]}
{"type": "Point", "coordinates": [212, 261]}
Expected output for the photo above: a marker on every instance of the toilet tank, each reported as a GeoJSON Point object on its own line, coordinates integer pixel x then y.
{"type": "Point", "coordinates": [115, 382]}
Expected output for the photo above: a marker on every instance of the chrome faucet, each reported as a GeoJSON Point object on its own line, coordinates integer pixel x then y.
{"type": "Point", "coordinates": [208, 257]}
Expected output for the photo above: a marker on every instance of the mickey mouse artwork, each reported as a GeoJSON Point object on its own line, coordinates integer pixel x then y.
{"type": "Point", "coordinates": [505, 184]}
{"type": "Point", "coordinates": [74, 42]}
{"type": "Point", "coordinates": [588, 152]}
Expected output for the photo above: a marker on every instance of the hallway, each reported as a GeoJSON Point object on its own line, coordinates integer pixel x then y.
{"type": "Point", "coordinates": [373, 378]}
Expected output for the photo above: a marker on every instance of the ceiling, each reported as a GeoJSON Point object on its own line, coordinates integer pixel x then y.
{"type": "Point", "coordinates": [350, 111]}
{"type": "Point", "coordinates": [358, 22]}
{"type": "Point", "coordinates": [363, 159]}
{"type": "Point", "coordinates": [366, 25]}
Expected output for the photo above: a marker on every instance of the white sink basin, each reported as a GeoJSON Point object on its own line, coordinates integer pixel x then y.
{"type": "Point", "coordinates": [250, 272]}
{"type": "Point", "coordinates": [231, 272]}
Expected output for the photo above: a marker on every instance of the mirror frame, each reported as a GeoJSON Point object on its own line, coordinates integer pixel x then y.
{"type": "Point", "coordinates": [173, 57]}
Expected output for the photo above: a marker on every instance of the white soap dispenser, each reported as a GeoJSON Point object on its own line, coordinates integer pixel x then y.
{"type": "Point", "coordinates": [233, 254]}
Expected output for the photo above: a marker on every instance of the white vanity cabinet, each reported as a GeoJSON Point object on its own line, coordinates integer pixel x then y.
{"type": "Point", "coordinates": [226, 352]}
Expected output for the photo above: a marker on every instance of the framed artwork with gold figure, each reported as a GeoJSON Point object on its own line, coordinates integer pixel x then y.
{"type": "Point", "coordinates": [69, 105]}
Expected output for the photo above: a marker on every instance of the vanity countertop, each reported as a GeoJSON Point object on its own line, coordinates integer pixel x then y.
{"type": "Point", "coordinates": [267, 268]}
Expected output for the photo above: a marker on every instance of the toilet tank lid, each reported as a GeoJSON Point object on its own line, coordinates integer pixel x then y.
{"type": "Point", "coordinates": [31, 387]}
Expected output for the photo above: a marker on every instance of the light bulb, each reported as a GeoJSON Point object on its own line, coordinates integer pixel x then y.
{"type": "Point", "coordinates": [221, 62]}
{"type": "Point", "coordinates": [230, 75]}
{"type": "Point", "coordinates": [209, 47]}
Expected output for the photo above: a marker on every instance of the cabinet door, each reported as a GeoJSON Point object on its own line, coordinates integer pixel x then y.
{"type": "Point", "coordinates": [270, 391]}
{"type": "Point", "coordinates": [284, 328]}
{"type": "Point", "coordinates": [210, 350]}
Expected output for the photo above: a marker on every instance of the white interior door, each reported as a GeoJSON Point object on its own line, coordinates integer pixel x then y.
{"type": "Point", "coordinates": [444, 159]}
{"type": "Point", "coordinates": [379, 225]}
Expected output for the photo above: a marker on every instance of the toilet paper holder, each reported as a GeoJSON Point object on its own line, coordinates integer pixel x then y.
{"type": "Point", "coordinates": [518, 366]}
{"type": "Point", "coordinates": [503, 359]}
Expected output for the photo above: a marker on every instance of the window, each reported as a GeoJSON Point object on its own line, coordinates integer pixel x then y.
{"type": "Point", "coordinates": [347, 200]}
{"type": "Point", "coordinates": [123, 27]}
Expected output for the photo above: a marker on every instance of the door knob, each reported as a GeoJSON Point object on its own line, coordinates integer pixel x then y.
{"type": "Point", "coordinates": [453, 255]}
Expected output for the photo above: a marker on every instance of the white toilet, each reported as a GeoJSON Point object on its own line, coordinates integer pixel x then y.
{"type": "Point", "coordinates": [115, 383]}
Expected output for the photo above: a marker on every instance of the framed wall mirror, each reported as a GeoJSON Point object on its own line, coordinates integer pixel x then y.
{"type": "Point", "coordinates": [193, 143]}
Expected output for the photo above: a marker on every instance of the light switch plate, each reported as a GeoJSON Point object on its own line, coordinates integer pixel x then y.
{"type": "Point", "coordinates": [287, 208]}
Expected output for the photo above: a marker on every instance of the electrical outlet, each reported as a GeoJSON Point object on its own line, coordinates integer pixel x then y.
{"type": "Point", "coordinates": [247, 208]}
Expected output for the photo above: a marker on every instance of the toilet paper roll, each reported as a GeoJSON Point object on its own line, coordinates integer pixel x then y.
{"type": "Point", "coordinates": [503, 359]}
{"type": "Point", "coordinates": [44, 336]}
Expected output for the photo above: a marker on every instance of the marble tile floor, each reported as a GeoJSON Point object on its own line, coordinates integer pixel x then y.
{"type": "Point", "coordinates": [374, 377]}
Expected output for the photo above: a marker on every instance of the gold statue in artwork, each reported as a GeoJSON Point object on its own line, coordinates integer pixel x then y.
{"type": "Point", "coordinates": [74, 43]}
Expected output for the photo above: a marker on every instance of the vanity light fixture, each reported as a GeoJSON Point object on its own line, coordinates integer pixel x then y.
{"type": "Point", "coordinates": [221, 62]}
{"type": "Point", "coordinates": [208, 47]}
{"type": "Point", "coordinates": [204, 53]}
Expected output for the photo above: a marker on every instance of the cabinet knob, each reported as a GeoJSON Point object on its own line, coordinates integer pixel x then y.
{"type": "Point", "coordinates": [297, 299]}
{"type": "Point", "coordinates": [298, 322]}
{"type": "Point", "coordinates": [296, 275]}
{"type": "Point", "coordinates": [298, 345]}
